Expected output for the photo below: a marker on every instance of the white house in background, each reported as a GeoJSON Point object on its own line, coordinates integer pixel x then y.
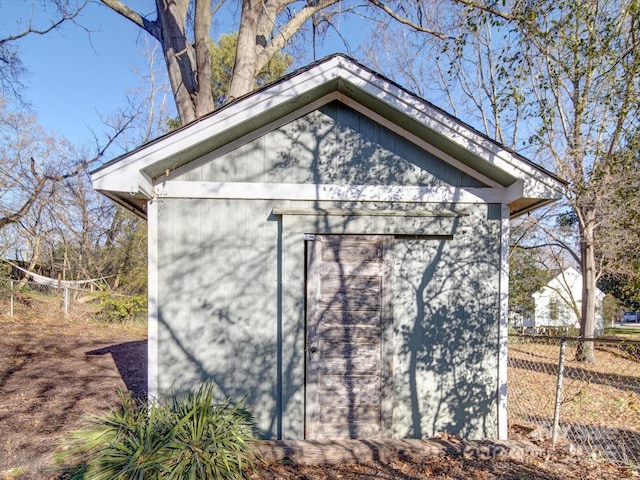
{"type": "Point", "coordinates": [559, 302]}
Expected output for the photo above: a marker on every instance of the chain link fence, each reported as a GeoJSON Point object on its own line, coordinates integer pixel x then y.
{"type": "Point", "coordinates": [25, 300]}
{"type": "Point", "coordinates": [590, 409]}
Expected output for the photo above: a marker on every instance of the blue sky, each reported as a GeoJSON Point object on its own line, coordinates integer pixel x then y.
{"type": "Point", "coordinates": [76, 77]}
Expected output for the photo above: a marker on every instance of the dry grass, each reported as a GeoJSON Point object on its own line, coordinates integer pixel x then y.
{"type": "Point", "coordinates": [600, 404]}
{"type": "Point", "coordinates": [54, 372]}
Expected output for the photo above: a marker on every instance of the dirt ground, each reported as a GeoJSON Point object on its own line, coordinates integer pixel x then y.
{"type": "Point", "coordinates": [52, 374]}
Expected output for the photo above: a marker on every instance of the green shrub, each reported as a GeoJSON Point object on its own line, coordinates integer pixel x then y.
{"type": "Point", "coordinates": [121, 308]}
{"type": "Point", "coordinates": [188, 437]}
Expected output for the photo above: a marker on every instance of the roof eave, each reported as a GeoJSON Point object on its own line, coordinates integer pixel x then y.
{"type": "Point", "coordinates": [291, 94]}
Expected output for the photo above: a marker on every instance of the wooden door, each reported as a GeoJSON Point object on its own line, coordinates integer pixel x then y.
{"type": "Point", "coordinates": [348, 316]}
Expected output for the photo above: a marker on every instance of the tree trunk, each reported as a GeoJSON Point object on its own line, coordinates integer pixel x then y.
{"type": "Point", "coordinates": [122, 265]}
{"type": "Point", "coordinates": [189, 63]}
{"type": "Point", "coordinates": [201, 26]}
{"type": "Point", "coordinates": [178, 55]}
{"type": "Point", "coordinates": [244, 70]}
{"type": "Point", "coordinates": [585, 350]}
{"type": "Point", "coordinates": [35, 258]}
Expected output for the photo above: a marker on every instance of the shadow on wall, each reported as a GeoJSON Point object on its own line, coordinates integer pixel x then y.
{"type": "Point", "coordinates": [131, 360]}
{"type": "Point", "coordinates": [220, 318]}
{"type": "Point", "coordinates": [446, 323]}
{"type": "Point", "coordinates": [232, 284]}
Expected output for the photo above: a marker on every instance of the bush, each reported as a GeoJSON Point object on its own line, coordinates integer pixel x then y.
{"type": "Point", "coordinates": [120, 308]}
{"type": "Point", "coordinates": [188, 437]}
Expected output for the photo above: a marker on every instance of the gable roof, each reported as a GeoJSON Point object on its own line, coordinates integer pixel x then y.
{"type": "Point", "coordinates": [566, 283]}
{"type": "Point", "coordinates": [130, 179]}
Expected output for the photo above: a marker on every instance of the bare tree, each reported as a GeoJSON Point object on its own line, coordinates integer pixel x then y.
{"type": "Point", "coordinates": [562, 80]}
{"type": "Point", "coordinates": [27, 164]}
{"type": "Point", "coordinates": [618, 229]}
{"type": "Point", "coordinates": [98, 238]}
{"type": "Point", "coordinates": [266, 27]}
{"type": "Point", "coordinates": [183, 29]}
{"type": "Point", "coordinates": [149, 102]}
{"type": "Point", "coordinates": [11, 66]}
{"type": "Point", "coordinates": [34, 168]}
{"type": "Point", "coordinates": [48, 211]}
{"type": "Point", "coordinates": [584, 59]}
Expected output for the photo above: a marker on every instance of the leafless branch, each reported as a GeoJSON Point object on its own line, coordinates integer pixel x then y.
{"type": "Point", "coordinates": [150, 27]}
{"type": "Point", "coordinates": [406, 21]}
{"type": "Point", "coordinates": [488, 9]}
{"type": "Point", "coordinates": [66, 17]}
{"type": "Point", "coordinates": [42, 180]}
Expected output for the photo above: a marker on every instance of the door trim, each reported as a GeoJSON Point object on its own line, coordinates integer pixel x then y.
{"type": "Point", "coordinates": [312, 296]}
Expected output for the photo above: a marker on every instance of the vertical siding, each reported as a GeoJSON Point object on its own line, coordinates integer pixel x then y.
{"type": "Point", "coordinates": [218, 294]}
{"type": "Point", "coordinates": [333, 145]}
{"type": "Point", "coordinates": [231, 282]}
{"type": "Point", "coordinates": [293, 335]}
{"type": "Point", "coordinates": [231, 292]}
{"type": "Point", "coordinates": [446, 333]}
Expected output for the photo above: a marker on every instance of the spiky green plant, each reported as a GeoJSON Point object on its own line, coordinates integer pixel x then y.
{"type": "Point", "coordinates": [211, 440]}
{"type": "Point", "coordinates": [187, 437]}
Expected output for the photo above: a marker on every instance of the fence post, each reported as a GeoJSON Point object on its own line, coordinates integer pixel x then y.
{"type": "Point", "coordinates": [66, 302]}
{"type": "Point", "coordinates": [556, 413]}
{"type": "Point", "coordinates": [11, 302]}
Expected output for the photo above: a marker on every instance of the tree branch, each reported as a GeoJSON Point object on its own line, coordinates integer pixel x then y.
{"type": "Point", "coordinates": [42, 180]}
{"type": "Point", "coordinates": [486, 8]}
{"type": "Point", "coordinates": [66, 16]}
{"type": "Point", "coordinates": [150, 27]}
{"type": "Point", "coordinates": [22, 211]}
{"type": "Point", "coordinates": [202, 42]}
{"type": "Point", "coordinates": [405, 21]}
{"type": "Point", "coordinates": [284, 35]}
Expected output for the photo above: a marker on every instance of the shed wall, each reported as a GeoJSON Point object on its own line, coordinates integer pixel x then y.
{"type": "Point", "coordinates": [232, 292]}
{"type": "Point", "coordinates": [231, 279]}
{"type": "Point", "coordinates": [332, 145]}
{"type": "Point", "coordinates": [446, 323]}
{"type": "Point", "coordinates": [218, 301]}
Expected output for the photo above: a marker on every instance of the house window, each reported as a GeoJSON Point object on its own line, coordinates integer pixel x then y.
{"type": "Point", "coordinates": [554, 313]}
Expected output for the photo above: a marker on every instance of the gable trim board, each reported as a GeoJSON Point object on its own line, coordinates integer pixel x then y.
{"type": "Point", "coordinates": [153, 358]}
{"type": "Point", "coordinates": [335, 78]}
{"type": "Point", "coordinates": [477, 187]}
{"type": "Point", "coordinates": [326, 192]}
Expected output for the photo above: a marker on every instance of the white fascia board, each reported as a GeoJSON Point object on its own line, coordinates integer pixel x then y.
{"type": "Point", "coordinates": [127, 167]}
{"type": "Point", "coordinates": [121, 178]}
{"type": "Point", "coordinates": [503, 326]}
{"type": "Point", "coordinates": [531, 189]}
{"type": "Point", "coordinates": [153, 319]}
{"type": "Point", "coordinates": [326, 192]}
{"type": "Point", "coordinates": [448, 127]}
{"type": "Point", "coordinates": [534, 189]}
{"type": "Point", "coordinates": [145, 185]}
{"type": "Point", "coordinates": [514, 191]}
{"type": "Point", "coordinates": [234, 114]}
